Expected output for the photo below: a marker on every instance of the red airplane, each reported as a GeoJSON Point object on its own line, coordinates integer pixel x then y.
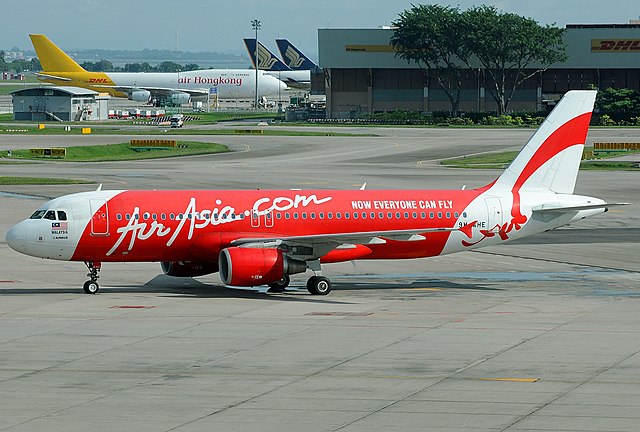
{"type": "Point", "coordinates": [261, 237]}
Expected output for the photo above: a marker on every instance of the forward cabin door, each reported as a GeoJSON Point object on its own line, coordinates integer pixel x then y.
{"type": "Point", "coordinates": [99, 217]}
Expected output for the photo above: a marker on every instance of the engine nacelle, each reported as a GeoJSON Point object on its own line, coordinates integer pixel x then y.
{"type": "Point", "coordinates": [254, 266]}
{"type": "Point", "coordinates": [140, 95]}
{"type": "Point", "coordinates": [188, 268]}
{"type": "Point", "coordinates": [179, 98]}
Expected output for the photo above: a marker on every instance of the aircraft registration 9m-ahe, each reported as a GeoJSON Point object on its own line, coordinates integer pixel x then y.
{"type": "Point", "coordinates": [262, 237]}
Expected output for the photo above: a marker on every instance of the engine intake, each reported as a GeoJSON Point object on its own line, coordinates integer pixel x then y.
{"type": "Point", "coordinates": [254, 266]}
{"type": "Point", "coordinates": [188, 268]}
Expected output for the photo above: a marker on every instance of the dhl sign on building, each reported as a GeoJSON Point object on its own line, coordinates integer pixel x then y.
{"type": "Point", "coordinates": [615, 45]}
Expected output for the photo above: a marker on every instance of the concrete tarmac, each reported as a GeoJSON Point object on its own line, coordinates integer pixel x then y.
{"type": "Point", "coordinates": [542, 334]}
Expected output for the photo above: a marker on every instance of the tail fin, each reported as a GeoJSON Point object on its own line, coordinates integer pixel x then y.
{"type": "Point", "coordinates": [551, 158]}
{"type": "Point", "coordinates": [52, 58]}
{"type": "Point", "coordinates": [293, 57]}
{"type": "Point", "coordinates": [266, 59]}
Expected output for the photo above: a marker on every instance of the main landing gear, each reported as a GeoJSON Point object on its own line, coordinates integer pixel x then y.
{"type": "Point", "coordinates": [91, 286]}
{"type": "Point", "coordinates": [317, 284]}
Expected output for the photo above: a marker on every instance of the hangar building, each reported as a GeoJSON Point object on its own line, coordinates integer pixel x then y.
{"type": "Point", "coordinates": [363, 75]}
{"type": "Point", "coordinates": [59, 103]}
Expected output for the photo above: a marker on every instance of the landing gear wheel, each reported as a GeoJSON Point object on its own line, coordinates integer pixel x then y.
{"type": "Point", "coordinates": [280, 285]}
{"type": "Point", "coordinates": [91, 287]}
{"type": "Point", "coordinates": [319, 285]}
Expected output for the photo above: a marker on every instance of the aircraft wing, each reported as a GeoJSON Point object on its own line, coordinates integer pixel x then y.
{"type": "Point", "coordinates": [317, 245]}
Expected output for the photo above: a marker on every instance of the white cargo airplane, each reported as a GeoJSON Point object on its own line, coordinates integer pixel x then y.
{"type": "Point", "coordinates": [172, 87]}
{"type": "Point", "coordinates": [261, 237]}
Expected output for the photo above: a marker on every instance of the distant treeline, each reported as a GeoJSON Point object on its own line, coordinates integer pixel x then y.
{"type": "Point", "coordinates": [165, 66]}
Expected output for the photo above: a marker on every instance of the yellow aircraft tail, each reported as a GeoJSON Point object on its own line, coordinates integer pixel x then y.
{"type": "Point", "coordinates": [52, 58]}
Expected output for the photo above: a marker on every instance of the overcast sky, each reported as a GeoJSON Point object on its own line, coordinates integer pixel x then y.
{"type": "Point", "coordinates": [220, 25]}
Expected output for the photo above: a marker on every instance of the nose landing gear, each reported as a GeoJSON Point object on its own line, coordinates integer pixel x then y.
{"type": "Point", "coordinates": [91, 286]}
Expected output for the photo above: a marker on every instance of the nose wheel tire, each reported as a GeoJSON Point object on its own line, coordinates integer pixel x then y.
{"type": "Point", "coordinates": [91, 287]}
{"type": "Point", "coordinates": [319, 285]}
{"type": "Point", "coordinates": [280, 285]}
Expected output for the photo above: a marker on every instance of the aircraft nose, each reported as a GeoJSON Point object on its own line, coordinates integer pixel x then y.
{"type": "Point", "coordinates": [282, 85]}
{"type": "Point", "coordinates": [17, 238]}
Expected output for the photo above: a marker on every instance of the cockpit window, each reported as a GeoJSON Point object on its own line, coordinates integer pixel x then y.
{"type": "Point", "coordinates": [38, 214]}
{"type": "Point", "coordinates": [50, 214]}
{"type": "Point", "coordinates": [62, 215]}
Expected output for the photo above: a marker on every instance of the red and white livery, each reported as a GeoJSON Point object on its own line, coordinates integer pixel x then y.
{"type": "Point", "coordinates": [261, 237]}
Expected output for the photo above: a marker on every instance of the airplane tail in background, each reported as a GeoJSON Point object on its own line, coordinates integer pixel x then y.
{"type": "Point", "coordinates": [52, 58]}
{"type": "Point", "coordinates": [266, 59]}
{"type": "Point", "coordinates": [551, 158]}
{"type": "Point", "coordinates": [293, 57]}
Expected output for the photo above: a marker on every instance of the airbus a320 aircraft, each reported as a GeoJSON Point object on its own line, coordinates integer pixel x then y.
{"type": "Point", "coordinates": [260, 237]}
{"type": "Point", "coordinates": [171, 87]}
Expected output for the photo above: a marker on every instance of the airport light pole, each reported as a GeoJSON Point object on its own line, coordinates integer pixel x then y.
{"type": "Point", "coordinates": [255, 24]}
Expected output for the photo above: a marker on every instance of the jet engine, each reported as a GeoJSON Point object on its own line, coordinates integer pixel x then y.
{"type": "Point", "coordinates": [140, 95]}
{"type": "Point", "coordinates": [188, 268]}
{"type": "Point", "coordinates": [253, 266]}
{"type": "Point", "coordinates": [179, 98]}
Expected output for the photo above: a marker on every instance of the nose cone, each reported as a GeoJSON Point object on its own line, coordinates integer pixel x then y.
{"type": "Point", "coordinates": [282, 86]}
{"type": "Point", "coordinates": [17, 238]}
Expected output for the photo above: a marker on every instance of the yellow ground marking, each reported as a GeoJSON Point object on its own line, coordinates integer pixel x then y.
{"type": "Point", "coordinates": [522, 380]}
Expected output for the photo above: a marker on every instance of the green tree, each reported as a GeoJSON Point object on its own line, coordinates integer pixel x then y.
{"type": "Point", "coordinates": [3, 64]}
{"type": "Point", "coordinates": [506, 45]}
{"type": "Point", "coordinates": [191, 67]}
{"type": "Point", "coordinates": [618, 104]}
{"type": "Point", "coordinates": [138, 67]}
{"type": "Point", "coordinates": [429, 36]}
{"type": "Point", "coordinates": [169, 66]}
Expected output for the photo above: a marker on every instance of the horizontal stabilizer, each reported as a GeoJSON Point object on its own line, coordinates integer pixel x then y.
{"type": "Point", "coordinates": [559, 209]}
{"type": "Point", "coordinates": [49, 76]}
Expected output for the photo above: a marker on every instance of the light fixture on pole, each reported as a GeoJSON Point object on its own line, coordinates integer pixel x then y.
{"type": "Point", "coordinates": [255, 24]}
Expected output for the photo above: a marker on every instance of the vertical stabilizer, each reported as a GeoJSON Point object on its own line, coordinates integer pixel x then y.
{"type": "Point", "coordinates": [52, 58]}
{"type": "Point", "coordinates": [551, 158]}
{"type": "Point", "coordinates": [293, 57]}
{"type": "Point", "coordinates": [266, 59]}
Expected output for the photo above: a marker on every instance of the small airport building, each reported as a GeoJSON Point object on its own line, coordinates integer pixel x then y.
{"type": "Point", "coordinates": [363, 75]}
{"type": "Point", "coordinates": [59, 103]}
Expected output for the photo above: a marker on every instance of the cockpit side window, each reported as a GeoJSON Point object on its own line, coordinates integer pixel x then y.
{"type": "Point", "coordinates": [62, 215]}
{"type": "Point", "coordinates": [38, 214]}
{"type": "Point", "coordinates": [50, 214]}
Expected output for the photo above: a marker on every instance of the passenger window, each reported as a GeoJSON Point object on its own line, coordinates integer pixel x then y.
{"type": "Point", "coordinates": [163, 216]}
{"type": "Point", "coordinates": [355, 215]}
{"type": "Point", "coordinates": [456, 215]}
{"type": "Point", "coordinates": [397, 215]}
{"type": "Point", "coordinates": [62, 215]}
{"type": "Point", "coordinates": [423, 215]}
{"type": "Point", "coordinates": [431, 215]}
{"type": "Point", "coordinates": [304, 215]}
{"type": "Point", "coordinates": [321, 215]}
{"type": "Point", "coordinates": [287, 216]}
{"type": "Point", "coordinates": [313, 215]}
{"type": "Point", "coordinates": [145, 216]}
{"type": "Point", "coordinates": [347, 215]}
{"type": "Point", "coordinates": [390, 215]}
{"type": "Point", "coordinates": [295, 215]}
{"type": "Point", "coordinates": [51, 215]}
{"type": "Point", "coordinates": [448, 215]}
{"type": "Point", "coordinates": [406, 215]}
{"type": "Point", "coordinates": [278, 215]}
{"type": "Point", "coordinates": [127, 216]}
{"type": "Point", "coordinates": [381, 215]}
{"type": "Point", "coordinates": [439, 215]}
{"type": "Point", "coordinates": [329, 215]}
{"type": "Point", "coordinates": [119, 216]}
{"type": "Point", "coordinates": [338, 215]}
{"type": "Point", "coordinates": [172, 216]}
{"type": "Point", "coordinates": [415, 215]}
